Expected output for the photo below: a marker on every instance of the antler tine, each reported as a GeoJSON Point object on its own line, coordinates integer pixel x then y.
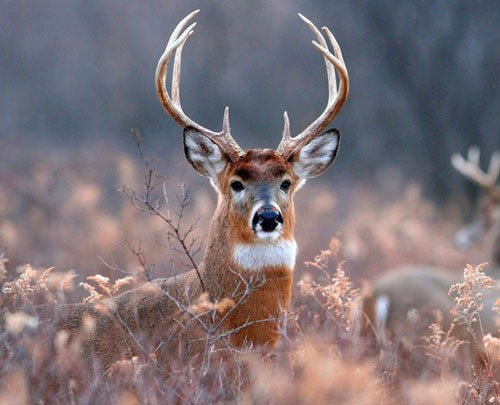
{"type": "Point", "coordinates": [176, 73]}
{"type": "Point", "coordinates": [336, 96]}
{"type": "Point", "coordinates": [494, 166]}
{"type": "Point", "coordinates": [474, 155]}
{"type": "Point", "coordinates": [471, 169]}
{"type": "Point", "coordinates": [172, 104]}
{"type": "Point", "coordinates": [175, 42]}
{"type": "Point", "coordinates": [330, 71]}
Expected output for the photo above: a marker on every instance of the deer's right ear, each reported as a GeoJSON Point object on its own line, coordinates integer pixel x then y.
{"type": "Point", "coordinates": [203, 154]}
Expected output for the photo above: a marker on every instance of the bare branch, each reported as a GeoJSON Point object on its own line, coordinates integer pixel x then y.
{"type": "Point", "coordinates": [153, 206]}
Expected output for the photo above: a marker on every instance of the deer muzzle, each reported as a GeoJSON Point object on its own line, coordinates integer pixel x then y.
{"type": "Point", "coordinates": [267, 219]}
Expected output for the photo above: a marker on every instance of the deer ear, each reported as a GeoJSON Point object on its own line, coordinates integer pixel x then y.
{"type": "Point", "coordinates": [203, 154]}
{"type": "Point", "coordinates": [314, 158]}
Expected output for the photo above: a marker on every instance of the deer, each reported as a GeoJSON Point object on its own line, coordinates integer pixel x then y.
{"type": "Point", "coordinates": [422, 292]}
{"type": "Point", "coordinates": [247, 268]}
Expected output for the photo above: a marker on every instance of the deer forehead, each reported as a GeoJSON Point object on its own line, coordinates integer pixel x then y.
{"type": "Point", "coordinates": [260, 165]}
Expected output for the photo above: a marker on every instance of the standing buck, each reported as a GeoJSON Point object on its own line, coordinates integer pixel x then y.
{"type": "Point", "coordinates": [247, 270]}
{"type": "Point", "coordinates": [406, 300]}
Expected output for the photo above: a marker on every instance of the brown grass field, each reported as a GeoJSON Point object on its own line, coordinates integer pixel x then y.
{"type": "Point", "coordinates": [69, 236]}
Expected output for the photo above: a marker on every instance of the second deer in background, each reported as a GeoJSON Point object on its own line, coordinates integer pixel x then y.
{"type": "Point", "coordinates": [406, 300]}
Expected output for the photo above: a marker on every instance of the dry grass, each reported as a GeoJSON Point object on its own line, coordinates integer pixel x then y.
{"type": "Point", "coordinates": [321, 358]}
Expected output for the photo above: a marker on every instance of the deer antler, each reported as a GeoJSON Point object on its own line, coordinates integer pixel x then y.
{"type": "Point", "coordinates": [471, 169]}
{"type": "Point", "coordinates": [173, 104]}
{"type": "Point", "coordinates": [336, 98]}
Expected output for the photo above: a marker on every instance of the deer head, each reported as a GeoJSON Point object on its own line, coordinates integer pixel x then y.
{"type": "Point", "coordinates": [256, 186]}
{"type": "Point", "coordinates": [488, 211]}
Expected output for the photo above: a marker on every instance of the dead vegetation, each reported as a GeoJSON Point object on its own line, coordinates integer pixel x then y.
{"type": "Point", "coordinates": [85, 250]}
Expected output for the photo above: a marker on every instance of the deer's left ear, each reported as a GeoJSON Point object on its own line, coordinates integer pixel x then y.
{"type": "Point", "coordinates": [315, 157]}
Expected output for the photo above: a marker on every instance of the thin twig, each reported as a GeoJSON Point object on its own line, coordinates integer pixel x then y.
{"type": "Point", "coordinates": [154, 207]}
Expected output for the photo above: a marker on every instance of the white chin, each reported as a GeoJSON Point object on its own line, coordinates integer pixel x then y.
{"type": "Point", "coordinates": [268, 235]}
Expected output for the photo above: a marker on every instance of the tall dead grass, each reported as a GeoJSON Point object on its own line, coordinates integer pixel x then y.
{"type": "Point", "coordinates": [82, 247]}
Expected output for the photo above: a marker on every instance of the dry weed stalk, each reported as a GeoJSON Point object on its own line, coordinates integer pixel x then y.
{"type": "Point", "coordinates": [442, 346]}
{"type": "Point", "coordinates": [30, 282]}
{"type": "Point", "coordinates": [470, 292]}
{"type": "Point", "coordinates": [108, 288]}
{"type": "Point", "coordinates": [467, 311]}
{"type": "Point", "coordinates": [337, 294]}
{"type": "Point", "coordinates": [468, 300]}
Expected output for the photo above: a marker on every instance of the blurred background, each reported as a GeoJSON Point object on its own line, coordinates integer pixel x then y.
{"type": "Point", "coordinates": [77, 76]}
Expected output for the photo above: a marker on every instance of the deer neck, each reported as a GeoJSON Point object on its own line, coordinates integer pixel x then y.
{"type": "Point", "coordinates": [495, 259]}
{"type": "Point", "coordinates": [256, 276]}
{"type": "Point", "coordinates": [230, 255]}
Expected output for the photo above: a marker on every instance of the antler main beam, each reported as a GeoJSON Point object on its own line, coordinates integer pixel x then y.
{"type": "Point", "coordinates": [471, 169]}
{"type": "Point", "coordinates": [172, 104]}
{"type": "Point", "coordinates": [336, 96]}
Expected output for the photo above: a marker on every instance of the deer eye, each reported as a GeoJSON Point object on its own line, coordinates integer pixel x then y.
{"type": "Point", "coordinates": [285, 186]}
{"type": "Point", "coordinates": [237, 186]}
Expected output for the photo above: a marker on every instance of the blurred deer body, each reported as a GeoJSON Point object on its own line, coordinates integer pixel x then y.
{"type": "Point", "coordinates": [415, 296]}
{"type": "Point", "coordinates": [487, 221]}
{"type": "Point", "coordinates": [404, 289]}
{"type": "Point", "coordinates": [243, 287]}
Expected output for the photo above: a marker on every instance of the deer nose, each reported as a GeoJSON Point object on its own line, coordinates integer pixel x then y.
{"type": "Point", "coordinates": [266, 219]}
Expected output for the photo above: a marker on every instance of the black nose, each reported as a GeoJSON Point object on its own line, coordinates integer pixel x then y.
{"type": "Point", "coordinates": [268, 217]}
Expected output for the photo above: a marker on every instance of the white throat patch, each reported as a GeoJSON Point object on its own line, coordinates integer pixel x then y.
{"type": "Point", "coordinates": [255, 257]}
